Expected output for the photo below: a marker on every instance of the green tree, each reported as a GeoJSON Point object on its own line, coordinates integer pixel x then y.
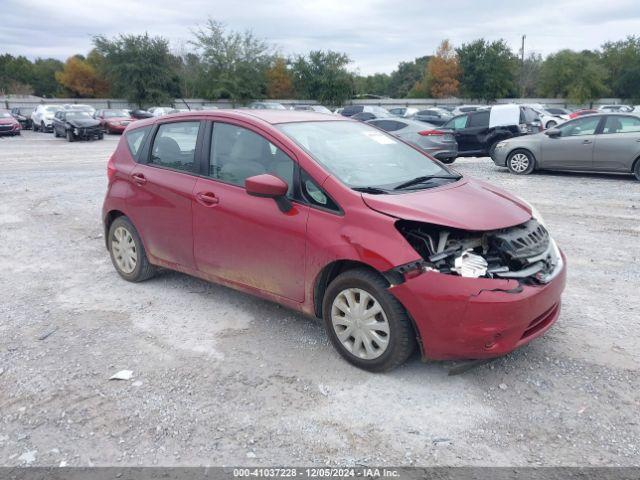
{"type": "Point", "coordinates": [16, 74]}
{"type": "Point", "coordinates": [622, 61]}
{"type": "Point", "coordinates": [487, 70]}
{"type": "Point", "coordinates": [407, 76]}
{"type": "Point", "coordinates": [376, 84]}
{"type": "Point", "coordinates": [139, 67]}
{"type": "Point", "coordinates": [577, 76]}
{"type": "Point", "coordinates": [323, 76]}
{"type": "Point", "coordinates": [234, 64]}
{"type": "Point", "coordinates": [44, 77]}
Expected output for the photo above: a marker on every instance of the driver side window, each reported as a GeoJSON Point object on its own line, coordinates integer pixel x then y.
{"type": "Point", "coordinates": [583, 126]}
{"type": "Point", "coordinates": [457, 123]}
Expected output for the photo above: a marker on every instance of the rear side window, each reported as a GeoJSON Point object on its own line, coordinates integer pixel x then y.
{"type": "Point", "coordinates": [135, 139]}
{"type": "Point", "coordinates": [238, 153]}
{"type": "Point", "coordinates": [478, 119]}
{"type": "Point", "coordinates": [583, 126]}
{"type": "Point", "coordinates": [617, 124]}
{"type": "Point", "coordinates": [175, 145]}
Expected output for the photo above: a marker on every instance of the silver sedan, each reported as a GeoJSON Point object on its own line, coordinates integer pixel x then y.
{"type": "Point", "coordinates": [594, 143]}
{"type": "Point", "coordinates": [428, 138]}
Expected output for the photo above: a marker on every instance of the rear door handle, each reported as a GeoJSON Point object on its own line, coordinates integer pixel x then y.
{"type": "Point", "coordinates": [208, 199]}
{"type": "Point", "coordinates": [139, 178]}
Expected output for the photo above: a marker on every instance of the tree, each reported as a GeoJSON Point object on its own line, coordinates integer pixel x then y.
{"type": "Point", "coordinates": [622, 61]}
{"type": "Point", "coordinates": [139, 67]}
{"type": "Point", "coordinates": [487, 70]}
{"type": "Point", "coordinates": [323, 76]}
{"type": "Point", "coordinates": [81, 79]}
{"type": "Point", "coordinates": [376, 84]}
{"type": "Point", "coordinates": [406, 77]}
{"type": "Point", "coordinates": [577, 76]}
{"type": "Point", "coordinates": [234, 64]}
{"type": "Point", "coordinates": [16, 74]}
{"type": "Point", "coordinates": [529, 75]}
{"type": "Point", "coordinates": [279, 80]}
{"type": "Point", "coordinates": [44, 81]}
{"type": "Point", "coordinates": [443, 71]}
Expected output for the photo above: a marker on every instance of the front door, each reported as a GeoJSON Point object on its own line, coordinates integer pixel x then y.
{"type": "Point", "coordinates": [573, 149]}
{"type": "Point", "coordinates": [244, 239]}
{"type": "Point", "coordinates": [160, 206]}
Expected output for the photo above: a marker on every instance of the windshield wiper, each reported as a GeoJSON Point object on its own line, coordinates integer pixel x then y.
{"type": "Point", "coordinates": [372, 190]}
{"type": "Point", "coordinates": [425, 178]}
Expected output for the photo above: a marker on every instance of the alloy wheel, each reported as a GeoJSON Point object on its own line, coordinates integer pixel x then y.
{"type": "Point", "coordinates": [519, 162]}
{"type": "Point", "coordinates": [124, 250]}
{"type": "Point", "coordinates": [360, 323]}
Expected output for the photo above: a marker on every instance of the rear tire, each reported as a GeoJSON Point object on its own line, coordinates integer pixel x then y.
{"type": "Point", "coordinates": [388, 339]}
{"type": "Point", "coordinates": [127, 252]}
{"type": "Point", "coordinates": [521, 162]}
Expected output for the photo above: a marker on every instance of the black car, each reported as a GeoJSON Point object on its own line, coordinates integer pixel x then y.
{"type": "Point", "coordinates": [433, 116]}
{"type": "Point", "coordinates": [478, 133]}
{"type": "Point", "coordinates": [23, 115]}
{"type": "Point", "coordinates": [76, 125]}
{"type": "Point", "coordinates": [139, 114]}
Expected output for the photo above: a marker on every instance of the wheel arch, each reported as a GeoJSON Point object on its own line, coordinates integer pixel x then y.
{"type": "Point", "coordinates": [108, 220]}
{"type": "Point", "coordinates": [634, 164]}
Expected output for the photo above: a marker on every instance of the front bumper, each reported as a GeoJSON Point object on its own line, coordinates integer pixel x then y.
{"type": "Point", "coordinates": [499, 156]}
{"type": "Point", "coordinates": [87, 133]}
{"type": "Point", "coordinates": [466, 318]}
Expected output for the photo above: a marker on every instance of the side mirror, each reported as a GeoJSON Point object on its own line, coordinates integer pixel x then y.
{"type": "Point", "coordinates": [553, 132]}
{"type": "Point", "coordinates": [269, 186]}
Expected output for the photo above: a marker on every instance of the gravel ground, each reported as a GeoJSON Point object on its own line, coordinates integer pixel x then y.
{"type": "Point", "coordinates": [222, 378]}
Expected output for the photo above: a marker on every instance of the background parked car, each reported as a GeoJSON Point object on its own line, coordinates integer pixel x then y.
{"type": "Point", "coordinates": [615, 108]}
{"type": "Point", "coordinates": [547, 119]}
{"type": "Point", "coordinates": [467, 109]}
{"type": "Point", "coordinates": [406, 112]}
{"type": "Point", "coordinates": [313, 108]}
{"type": "Point", "coordinates": [161, 111]}
{"type": "Point", "coordinates": [599, 143]}
{"type": "Point", "coordinates": [42, 117]}
{"type": "Point", "coordinates": [266, 106]}
{"type": "Point", "coordinates": [434, 116]}
{"type": "Point", "coordinates": [477, 133]}
{"type": "Point", "coordinates": [76, 125]}
{"type": "Point", "coordinates": [438, 144]}
{"type": "Point", "coordinates": [113, 120]}
{"type": "Point", "coordinates": [351, 110]}
{"type": "Point", "coordinates": [366, 116]}
{"type": "Point", "coordinates": [581, 112]}
{"type": "Point", "coordinates": [23, 116]}
{"type": "Point", "coordinates": [558, 111]}
{"type": "Point", "coordinates": [79, 107]}
{"type": "Point", "coordinates": [140, 114]}
{"type": "Point", "coordinates": [8, 124]}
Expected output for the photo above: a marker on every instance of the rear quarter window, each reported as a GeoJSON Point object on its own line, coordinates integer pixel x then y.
{"type": "Point", "coordinates": [135, 139]}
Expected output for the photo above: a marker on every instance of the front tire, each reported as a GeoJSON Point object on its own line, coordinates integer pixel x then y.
{"type": "Point", "coordinates": [636, 170]}
{"type": "Point", "coordinates": [127, 251]}
{"type": "Point", "coordinates": [70, 136]}
{"type": "Point", "coordinates": [551, 124]}
{"type": "Point", "coordinates": [365, 323]}
{"type": "Point", "coordinates": [448, 161]}
{"type": "Point", "coordinates": [521, 162]}
{"type": "Point", "coordinates": [43, 128]}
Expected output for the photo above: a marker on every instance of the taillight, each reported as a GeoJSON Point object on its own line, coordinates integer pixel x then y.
{"type": "Point", "coordinates": [429, 133]}
{"type": "Point", "coordinates": [111, 169]}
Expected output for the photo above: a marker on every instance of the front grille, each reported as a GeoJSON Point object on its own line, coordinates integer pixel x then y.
{"type": "Point", "coordinates": [524, 241]}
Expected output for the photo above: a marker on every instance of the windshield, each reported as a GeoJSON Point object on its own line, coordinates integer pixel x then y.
{"type": "Point", "coordinates": [78, 114]}
{"type": "Point", "coordinates": [115, 113]}
{"type": "Point", "coordinates": [52, 109]}
{"type": "Point", "coordinates": [360, 155]}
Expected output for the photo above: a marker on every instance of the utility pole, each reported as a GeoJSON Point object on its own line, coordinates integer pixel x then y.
{"type": "Point", "coordinates": [522, 72]}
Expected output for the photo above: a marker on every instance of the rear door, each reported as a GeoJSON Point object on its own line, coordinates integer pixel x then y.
{"type": "Point", "coordinates": [163, 191]}
{"type": "Point", "coordinates": [573, 149]}
{"type": "Point", "coordinates": [474, 135]}
{"type": "Point", "coordinates": [618, 145]}
{"type": "Point", "coordinates": [244, 239]}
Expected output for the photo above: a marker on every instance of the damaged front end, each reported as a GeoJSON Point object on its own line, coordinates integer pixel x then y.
{"type": "Point", "coordinates": [524, 252]}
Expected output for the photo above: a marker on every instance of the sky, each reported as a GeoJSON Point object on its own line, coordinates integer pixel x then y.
{"type": "Point", "coordinates": [376, 34]}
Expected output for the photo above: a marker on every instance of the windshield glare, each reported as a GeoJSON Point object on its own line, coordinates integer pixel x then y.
{"type": "Point", "coordinates": [78, 114]}
{"type": "Point", "coordinates": [115, 113]}
{"type": "Point", "coordinates": [360, 155]}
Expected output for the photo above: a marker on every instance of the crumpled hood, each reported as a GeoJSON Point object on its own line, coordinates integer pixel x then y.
{"type": "Point", "coordinates": [466, 204]}
{"type": "Point", "coordinates": [8, 121]}
{"type": "Point", "coordinates": [82, 123]}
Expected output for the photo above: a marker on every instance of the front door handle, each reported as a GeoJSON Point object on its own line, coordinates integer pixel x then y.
{"type": "Point", "coordinates": [587, 142]}
{"type": "Point", "coordinates": [208, 199]}
{"type": "Point", "coordinates": [139, 178]}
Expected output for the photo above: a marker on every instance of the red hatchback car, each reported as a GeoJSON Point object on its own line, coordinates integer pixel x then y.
{"type": "Point", "coordinates": [339, 220]}
{"type": "Point", "coordinates": [113, 120]}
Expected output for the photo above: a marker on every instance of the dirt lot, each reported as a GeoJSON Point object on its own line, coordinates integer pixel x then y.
{"type": "Point", "coordinates": [223, 378]}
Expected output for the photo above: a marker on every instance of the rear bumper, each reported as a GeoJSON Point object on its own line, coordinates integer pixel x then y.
{"type": "Point", "coordinates": [464, 318]}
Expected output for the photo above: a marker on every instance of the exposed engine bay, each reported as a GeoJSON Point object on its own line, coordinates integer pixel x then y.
{"type": "Point", "coordinates": [525, 252]}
